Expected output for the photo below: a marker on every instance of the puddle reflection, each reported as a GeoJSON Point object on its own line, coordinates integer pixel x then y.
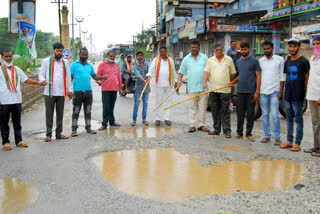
{"type": "Point", "coordinates": [16, 196]}
{"type": "Point", "coordinates": [139, 132]}
{"type": "Point", "coordinates": [165, 174]}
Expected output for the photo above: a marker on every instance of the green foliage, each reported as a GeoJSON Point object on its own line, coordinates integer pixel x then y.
{"type": "Point", "coordinates": [7, 40]}
{"type": "Point", "coordinates": [44, 42]}
{"type": "Point", "coordinates": [77, 45]}
{"type": "Point", "coordinates": [25, 63]}
{"type": "Point", "coordinates": [143, 39]}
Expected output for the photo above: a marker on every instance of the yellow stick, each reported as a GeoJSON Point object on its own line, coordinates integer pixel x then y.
{"type": "Point", "coordinates": [198, 95]}
{"type": "Point", "coordinates": [143, 91]}
{"type": "Point", "coordinates": [174, 90]}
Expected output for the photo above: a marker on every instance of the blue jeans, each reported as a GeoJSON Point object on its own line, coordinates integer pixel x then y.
{"type": "Point", "coordinates": [268, 102]}
{"type": "Point", "coordinates": [294, 109]}
{"type": "Point", "coordinates": [145, 98]}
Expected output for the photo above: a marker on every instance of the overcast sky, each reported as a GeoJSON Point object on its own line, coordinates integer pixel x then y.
{"type": "Point", "coordinates": [109, 21]}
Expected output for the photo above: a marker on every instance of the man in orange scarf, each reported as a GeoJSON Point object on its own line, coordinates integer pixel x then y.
{"type": "Point", "coordinates": [163, 68]}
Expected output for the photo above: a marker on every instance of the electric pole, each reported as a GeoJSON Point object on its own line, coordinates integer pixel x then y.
{"type": "Point", "coordinates": [59, 14]}
{"type": "Point", "coordinates": [79, 20]}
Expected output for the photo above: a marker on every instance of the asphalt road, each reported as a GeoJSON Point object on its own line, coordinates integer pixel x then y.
{"type": "Point", "coordinates": [68, 181]}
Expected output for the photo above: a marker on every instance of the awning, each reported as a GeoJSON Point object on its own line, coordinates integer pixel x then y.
{"type": "Point", "coordinates": [303, 8]}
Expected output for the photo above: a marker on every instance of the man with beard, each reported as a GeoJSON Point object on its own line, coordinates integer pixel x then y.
{"type": "Point", "coordinates": [127, 71]}
{"type": "Point", "coordinates": [248, 90]}
{"type": "Point", "coordinates": [193, 66]}
{"type": "Point", "coordinates": [163, 68]}
{"type": "Point", "coordinates": [10, 99]}
{"type": "Point", "coordinates": [313, 95]}
{"type": "Point", "coordinates": [81, 73]}
{"type": "Point", "coordinates": [272, 77]}
{"type": "Point", "coordinates": [297, 70]}
{"type": "Point", "coordinates": [55, 70]}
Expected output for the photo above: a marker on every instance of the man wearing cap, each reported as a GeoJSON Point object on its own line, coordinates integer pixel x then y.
{"type": "Point", "coordinates": [297, 69]}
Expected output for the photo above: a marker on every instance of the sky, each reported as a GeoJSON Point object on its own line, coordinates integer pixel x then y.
{"type": "Point", "coordinates": [109, 21]}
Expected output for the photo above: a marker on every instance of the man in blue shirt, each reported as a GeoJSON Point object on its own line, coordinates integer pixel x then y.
{"type": "Point", "coordinates": [193, 65]}
{"type": "Point", "coordinates": [81, 73]}
{"type": "Point", "coordinates": [232, 52]}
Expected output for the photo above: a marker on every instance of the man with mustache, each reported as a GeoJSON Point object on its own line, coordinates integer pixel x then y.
{"type": "Point", "coordinates": [248, 90]}
{"type": "Point", "coordinates": [81, 73]}
{"type": "Point", "coordinates": [55, 70]}
{"type": "Point", "coordinates": [10, 99]}
{"type": "Point", "coordinates": [297, 69]}
{"type": "Point", "coordinates": [272, 77]}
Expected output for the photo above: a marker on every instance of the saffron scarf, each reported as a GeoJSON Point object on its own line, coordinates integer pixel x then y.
{"type": "Point", "coordinates": [13, 83]}
{"type": "Point", "coordinates": [171, 74]}
{"type": "Point", "coordinates": [51, 75]}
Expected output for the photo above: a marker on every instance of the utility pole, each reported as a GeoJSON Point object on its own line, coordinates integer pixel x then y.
{"type": "Point", "coordinates": [73, 43]}
{"type": "Point", "coordinates": [59, 14]}
{"type": "Point", "coordinates": [134, 45]}
{"type": "Point", "coordinates": [79, 20]}
{"type": "Point", "coordinates": [84, 37]}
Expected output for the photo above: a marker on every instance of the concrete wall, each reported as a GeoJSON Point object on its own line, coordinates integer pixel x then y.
{"type": "Point", "coordinates": [31, 93]}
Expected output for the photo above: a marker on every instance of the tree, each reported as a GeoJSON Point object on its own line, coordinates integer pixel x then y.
{"type": "Point", "coordinates": [7, 40]}
{"type": "Point", "coordinates": [143, 39]}
{"type": "Point", "coordinates": [44, 42]}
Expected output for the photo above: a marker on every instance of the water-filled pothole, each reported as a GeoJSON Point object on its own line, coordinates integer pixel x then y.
{"type": "Point", "coordinates": [139, 132]}
{"type": "Point", "coordinates": [67, 128]}
{"type": "Point", "coordinates": [165, 174]}
{"type": "Point", "coordinates": [16, 196]}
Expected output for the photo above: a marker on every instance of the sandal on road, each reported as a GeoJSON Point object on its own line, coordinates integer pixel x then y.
{"type": "Point", "coordinates": [316, 154]}
{"type": "Point", "coordinates": [192, 129]}
{"type": "Point", "coordinates": [7, 146]}
{"type": "Point", "coordinates": [22, 144]}
{"type": "Point", "coordinates": [311, 150]}
{"type": "Point", "coordinates": [238, 137]}
{"type": "Point", "coordinates": [90, 131]}
{"type": "Point", "coordinates": [74, 134]}
{"type": "Point", "coordinates": [61, 137]}
{"type": "Point", "coordinates": [102, 128]}
{"type": "Point", "coordinates": [250, 138]}
{"type": "Point", "coordinates": [277, 142]}
{"type": "Point", "coordinates": [146, 123]}
{"type": "Point", "coordinates": [265, 140]}
{"type": "Point", "coordinates": [133, 123]}
{"type": "Point", "coordinates": [296, 148]}
{"type": "Point", "coordinates": [202, 128]}
{"type": "Point", "coordinates": [286, 145]}
{"type": "Point", "coordinates": [47, 139]}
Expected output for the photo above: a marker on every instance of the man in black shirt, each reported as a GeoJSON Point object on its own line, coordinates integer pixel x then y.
{"type": "Point", "coordinates": [297, 69]}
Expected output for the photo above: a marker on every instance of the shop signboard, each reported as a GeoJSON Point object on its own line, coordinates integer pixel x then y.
{"type": "Point", "coordinates": [184, 12]}
{"type": "Point", "coordinates": [193, 30]}
{"type": "Point", "coordinates": [238, 28]}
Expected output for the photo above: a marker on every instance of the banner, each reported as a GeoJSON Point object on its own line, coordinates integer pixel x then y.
{"type": "Point", "coordinates": [27, 33]}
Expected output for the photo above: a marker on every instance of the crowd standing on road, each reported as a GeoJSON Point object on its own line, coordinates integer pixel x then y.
{"type": "Point", "coordinates": [264, 80]}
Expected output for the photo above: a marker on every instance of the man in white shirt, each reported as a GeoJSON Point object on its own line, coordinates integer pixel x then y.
{"type": "Point", "coordinates": [313, 95]}
{"type": "Point", "coordinates": [55, 70]}
{"type": "Point", "coordinates": [164, 69]}
{"type": "Point", "coordinates": [272, 81]}
{"type": "Point", "coordinates": [10, 99]}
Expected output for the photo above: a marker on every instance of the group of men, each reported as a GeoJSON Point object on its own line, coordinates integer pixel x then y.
{"type": "Point", "coordinates": [260, 80]}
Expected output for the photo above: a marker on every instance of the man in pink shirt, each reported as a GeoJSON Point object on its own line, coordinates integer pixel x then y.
{"type": "Point", "coordinates": [109, 89]}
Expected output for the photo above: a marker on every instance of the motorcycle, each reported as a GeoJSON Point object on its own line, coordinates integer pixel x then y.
{"type": "Point", "coordinates": [131, 85]}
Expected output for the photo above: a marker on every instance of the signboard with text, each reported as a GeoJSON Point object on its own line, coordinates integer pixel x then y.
{"type": "Point", "coordinates": [185, 12]}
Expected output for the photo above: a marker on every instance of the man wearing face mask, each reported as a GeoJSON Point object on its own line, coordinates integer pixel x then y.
{"type": "Point", "coordinates": [109, 88]}
{"type": "Point", "coordinates": [140, 70]}
{"type": "Point", "coordinates": [248, 90]}
{"type": "Point", "coordinates": [55, 70]}
{"type": "Point", "coordinates": [163, 67]}
{"type": "Point", "coordinates": [81, 73]}
{"type": "Point", "coordinates": [297, 70]}
{"type": "Point", "coordinates": [272, 77]}
{"type": "Point", "coordinates": [313, 95]}
{"type": "Point", "coordinates": [10, 99]}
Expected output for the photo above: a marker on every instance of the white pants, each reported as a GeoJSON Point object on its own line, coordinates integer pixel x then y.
{"type": "Point", "coordinates": [197, 112]}
{"type": "Point", "coordinates": [161, 94]}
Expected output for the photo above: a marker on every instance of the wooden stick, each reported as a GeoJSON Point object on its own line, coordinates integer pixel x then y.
{"type": "Point", "coordinates": [198, 95]}
{"type": "Point", "coordinates": [174, 90]}
{"type": "Point", "coordinates": [113, 72]}
{"type": "Point", "coordinates": [143, 91]}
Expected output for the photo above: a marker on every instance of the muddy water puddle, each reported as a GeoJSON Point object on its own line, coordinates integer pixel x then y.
{"type": "Point", "coordinates": [16, 196]}
{"type": "Point", "coordinates": [235, 148]}
{"type": "Point", "coordinates": [67, 123]}
{"type": "Point", "coordinates": [164, 174]}
{"type": "Point", "coordinates": [139, 132]}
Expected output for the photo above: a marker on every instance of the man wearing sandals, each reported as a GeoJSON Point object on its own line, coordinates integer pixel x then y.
{"type": "Point", "coordinates": [297, 69]}
{"type": "Point", "coordinates": [10, 99]}
{"type": "Point", "coordinates": [81, 73]}
{"type": "Point", "coordinates": [140, 70]}
{"type": "Point", "coordinates": [248, 90]}
{"type": "Point", "coordinates": [313, 95]}
{"type": "Point", "coordinates": [272, 77]}
{"type": "Point", "coordinates": [163, 68]}
{"type": "Point", "coordinates": [219, 71]}
{"type": "Point", "coordinates": [193, 65]}
{"type": "Point", "coordinates": [56, 71]}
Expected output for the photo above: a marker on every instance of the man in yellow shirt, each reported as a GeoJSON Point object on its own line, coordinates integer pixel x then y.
{"type": "Point", "coordinates": [219, 71]}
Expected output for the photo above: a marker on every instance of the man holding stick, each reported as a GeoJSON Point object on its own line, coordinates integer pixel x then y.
{"type": "Point", "coordinates": [55, 70]}
{"type": "Point", "coordinates": [193, 65]}
{"type": "Point", "coordinates": [248, 90]}
{"type": "Point", "coordinates": [219, 71]}
{"type": "Point", "coordinates": [109, 88]}
{"type": "Point", "coordinates": [10, 99]}
{"type": "Point", "coordinates": [141, 89]}
{"type": "Point", "coordinates": [163, 67]}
